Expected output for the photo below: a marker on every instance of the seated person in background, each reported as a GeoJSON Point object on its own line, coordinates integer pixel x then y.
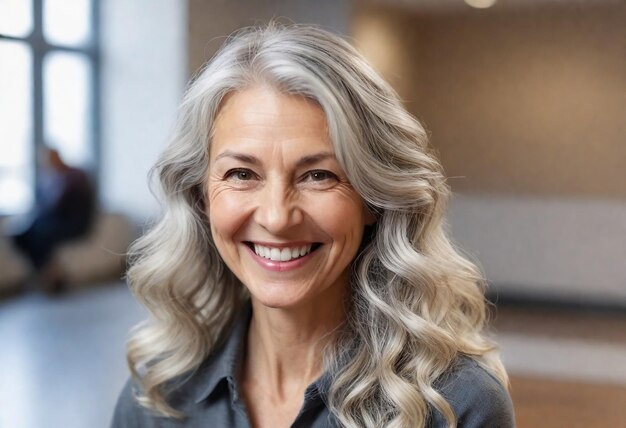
{"type": "Point", "coordinates": [64, 211]}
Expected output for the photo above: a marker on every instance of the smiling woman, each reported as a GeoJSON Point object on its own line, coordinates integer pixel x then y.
{"type": "Point", "coordinates": [300, 275]}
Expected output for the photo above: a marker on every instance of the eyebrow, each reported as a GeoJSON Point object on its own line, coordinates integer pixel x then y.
{"type": "Point", "coordinates": [303, 161]}
{"type": "Point", "coordinates": [312, 159]}
{"type": "Point", "coordinates": [239, 156]}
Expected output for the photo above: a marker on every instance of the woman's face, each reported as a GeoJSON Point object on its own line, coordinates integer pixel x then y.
{"type": "Point", "coordinates": [283, 216]}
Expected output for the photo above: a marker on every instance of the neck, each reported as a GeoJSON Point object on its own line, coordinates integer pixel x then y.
{"type": "Point", "coordinates": [286, 345]}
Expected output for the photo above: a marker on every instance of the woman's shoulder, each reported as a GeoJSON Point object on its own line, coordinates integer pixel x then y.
{"type": "Point", "coordinates": [186, 390]}
{"type": "Point", "coordinates": [128, 413]}
{"type": "Point", "coordinates": [183, 392]}
{"type": "Point", "coordinates": [127, 410]}
{"type": "Point", "coordinates": [477, 397]}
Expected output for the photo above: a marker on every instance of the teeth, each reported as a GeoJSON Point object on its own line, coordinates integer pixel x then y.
{"type": "Point", "coordinates": [283, 255]}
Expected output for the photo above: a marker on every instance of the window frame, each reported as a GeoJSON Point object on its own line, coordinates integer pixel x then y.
{"type": "Point", "coordinates": [39, 49]}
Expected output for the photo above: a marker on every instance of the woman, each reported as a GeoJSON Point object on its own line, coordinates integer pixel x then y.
{"type": "Point", "coordinates": [300, 275]}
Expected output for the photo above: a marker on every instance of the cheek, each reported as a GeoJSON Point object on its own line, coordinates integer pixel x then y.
{"type": "Point", "coordinates": [227, 212]}
{"type": "Point", "coordinates": [342, 219]}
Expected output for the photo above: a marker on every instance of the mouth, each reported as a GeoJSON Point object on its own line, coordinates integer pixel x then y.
{"type": "Point", "coordinates": [285, 253]}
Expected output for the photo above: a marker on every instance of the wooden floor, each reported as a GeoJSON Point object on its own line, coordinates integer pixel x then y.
{"type": "Point", "coordinates": [558, 404]}
{"type": "Point", "coordinates": [550, 403]}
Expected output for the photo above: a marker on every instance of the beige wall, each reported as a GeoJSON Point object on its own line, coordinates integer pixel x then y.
{"type": "Point", "coordinates": [527, 101]}
{"type": "Point", "coordinates": [210, 21]}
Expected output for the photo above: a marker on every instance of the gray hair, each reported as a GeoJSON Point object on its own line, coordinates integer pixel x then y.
{"type": "Point", "coordinates": [417, 304]}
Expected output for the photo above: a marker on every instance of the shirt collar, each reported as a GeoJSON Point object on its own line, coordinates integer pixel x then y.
{"type": "Point", "coordinates": [226, 361]}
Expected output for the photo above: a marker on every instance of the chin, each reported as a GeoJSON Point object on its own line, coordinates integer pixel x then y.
{"type": "Point", "coordinates": [278, 298]}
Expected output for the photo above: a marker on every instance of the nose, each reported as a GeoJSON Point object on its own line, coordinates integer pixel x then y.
{"type": "Point", "coordinates": [277, 209]}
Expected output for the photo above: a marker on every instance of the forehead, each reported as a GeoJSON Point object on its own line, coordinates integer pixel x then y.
{"type": "Point", "coordinates": [261, 118]}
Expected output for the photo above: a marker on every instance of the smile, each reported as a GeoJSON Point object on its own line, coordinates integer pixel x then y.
{"type": "Point", "coordinates": [283, 253]}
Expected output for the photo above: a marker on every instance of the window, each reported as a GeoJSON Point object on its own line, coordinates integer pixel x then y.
{"type": "Point", "coordinates": [48, 91]}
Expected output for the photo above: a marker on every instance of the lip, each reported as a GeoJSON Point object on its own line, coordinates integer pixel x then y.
{"type": "Point", "coordinates": [278, 266]}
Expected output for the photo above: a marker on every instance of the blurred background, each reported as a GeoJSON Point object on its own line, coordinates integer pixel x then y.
{"type": "Point", "coordinates": [525, 101]}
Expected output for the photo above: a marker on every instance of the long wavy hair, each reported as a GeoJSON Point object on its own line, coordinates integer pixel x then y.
{"type": "Point", "coordinates": [416, 303]}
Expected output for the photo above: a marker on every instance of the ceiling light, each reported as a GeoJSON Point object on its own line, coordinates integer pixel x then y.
{"type": "Point", "coordinates": [480, 4]}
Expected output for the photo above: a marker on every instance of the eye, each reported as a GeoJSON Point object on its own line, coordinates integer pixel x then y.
{"type": "Point", "coordinates": [239, 174]}
{"type": "Point", "coordinates": [321, 175]}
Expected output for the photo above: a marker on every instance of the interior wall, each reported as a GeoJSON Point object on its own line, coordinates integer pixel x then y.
{"type": "Point", "coordinates": [144, 71]}
{"type": "Point", "coordinates": [530, 101]}
{"type": "Point", "coordinates": [211, 21]}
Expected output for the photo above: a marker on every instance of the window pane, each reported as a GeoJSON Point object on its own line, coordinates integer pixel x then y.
{"type": "Point", "coordinates": [67, 100]}
{"type": "Point", "coordinates": [16, 17]}
{"type": "Point", "coordinates": [67, 22]}
{"type": "Point", "coordinates": [16, 148]}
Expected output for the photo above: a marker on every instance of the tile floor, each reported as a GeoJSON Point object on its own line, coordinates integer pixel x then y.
{"type": "Point", "coordinates": [62, 361]}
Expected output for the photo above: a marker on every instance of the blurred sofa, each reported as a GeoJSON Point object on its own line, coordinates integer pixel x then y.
{"type": "Point", "coordinates": [99, 256]}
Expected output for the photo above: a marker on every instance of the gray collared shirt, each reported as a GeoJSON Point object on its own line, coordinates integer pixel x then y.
{"type": "Point", "coordinates": [210, 397]}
